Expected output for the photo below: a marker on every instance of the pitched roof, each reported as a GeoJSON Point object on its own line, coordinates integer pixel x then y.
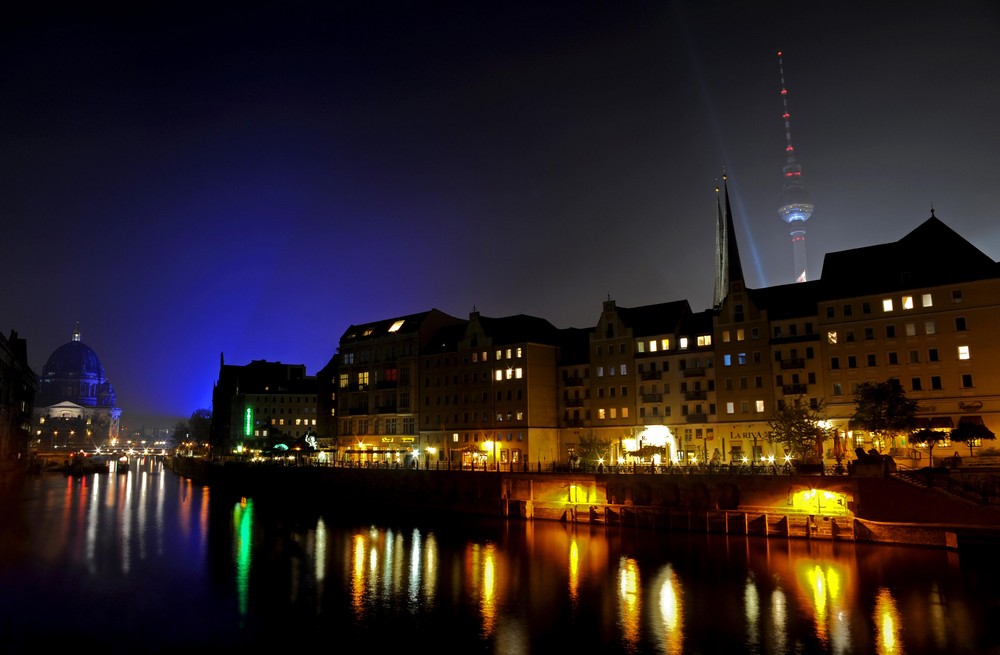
{"type": "Point", "coordinates": [661, 318]}
{"type": "Point", "coordinates": [931, 255]}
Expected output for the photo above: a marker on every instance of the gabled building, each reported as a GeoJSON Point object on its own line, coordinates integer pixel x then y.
{"type": "Point", "coordinates": [18, 385]}
{"type": "Point", "coordinates": [262, 404]}
{"type": "Point", "coordinates": [489, 393]}
{"type": "Point", "coordinates": [378, 386]}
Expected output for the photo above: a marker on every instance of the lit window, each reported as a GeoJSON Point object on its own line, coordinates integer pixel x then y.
{"type": "Point", "coordinates": [727, 360]}
{"type": "Point", "coordinates": [499, 354]}
{"type": "Point", "coordinates": [624, 369]}
{"type": "Point", "coordinates": [664, 344]}
{"type": "Point", "coordinates": [730, 408]}
{"type": "Point", "coordinates": [498, 375]}
{"type": "Point", "coordinates": [367, 333]}
{"type": "Point", "coordinates": [926, 300]}
{"type": "Point", "coordinates": [725, 336]}
{"type": "Point", "coordinates": [907, 302]}
{"type": "Point", "coordinates": [640, 347]}
{"type": "Point", "coordinates": [831, 338]}
{"type": "Point", "coordinates": [600, 414]}
{"type": "Point", "coordinates": [518, 372]}
{"type": "Point", "coordinates": [760, 406]}
{"type": "Point", "coordinates": [740, 334]}
{"type": "Point", "coordinates": [887, 305]}
{"type": "Point", "coordinates": [683, 342]}
{"type": "Point", "coordinates": [930, 327]}
{"type": "Point", "coordinates": [911, 330]}
{"type": "Point", "coordinates": [508, 353]}
{"type": "Point", "coordinates": [519, 352]}
{"type": "Point", "coordinates": [652, 346]}
{"type": "Point", "coordinates": [742, 358]}
{"type": "Point", "coordinates": [395, 326]}
{"type": "Point", "coordinates": [510, 373]}
{"type": "Point", "coordinates": [624, 412]}
{"type": "Point", "coordinates": [614, 413]}
{"type": "Point", "coordinates": [705, 340]}
{"type": "Point", "coordinates": [963, 352]}
{"type": "Point", "coordinates": [600, 371]}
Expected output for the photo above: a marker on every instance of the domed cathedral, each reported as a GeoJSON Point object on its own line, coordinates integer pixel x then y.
{"type": "Point", "coordinates": [76, 406]}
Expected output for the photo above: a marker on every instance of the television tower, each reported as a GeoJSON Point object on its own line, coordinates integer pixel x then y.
{"type": "Point", "coordinates": [796, 206]}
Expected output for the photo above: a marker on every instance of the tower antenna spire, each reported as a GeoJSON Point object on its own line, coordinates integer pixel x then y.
{"type": "Point", "coordinates": [796, 206]}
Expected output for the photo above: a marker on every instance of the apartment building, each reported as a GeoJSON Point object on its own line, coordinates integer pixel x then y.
{"type": "Point", "coordinates": [516, 390]}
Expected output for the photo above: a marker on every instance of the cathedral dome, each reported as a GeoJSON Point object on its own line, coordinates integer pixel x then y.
{"type": "Point", "coordinates": [73, 360]}
{"type": "Point", "coordinates": [73, 373]}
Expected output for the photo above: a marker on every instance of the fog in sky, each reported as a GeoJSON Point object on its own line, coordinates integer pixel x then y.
{"type": "Point", "coordinates": [188, 181]}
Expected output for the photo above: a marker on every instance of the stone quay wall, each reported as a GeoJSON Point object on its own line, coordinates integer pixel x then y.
{"type": "Point", "coordinates": [877, 509]}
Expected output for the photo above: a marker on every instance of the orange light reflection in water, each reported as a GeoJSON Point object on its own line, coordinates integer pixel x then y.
{"type": "Point", "coordinates": [824, 584]}
{"type": "Point", "coordinates": [629, 601]}
{"type": "Point", "coordinates": [671, 635]}
{"type": "Point", "coordinates": [887, 624]}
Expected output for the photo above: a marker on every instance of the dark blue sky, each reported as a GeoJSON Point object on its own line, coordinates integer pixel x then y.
{"type": "Point", "coordinates": [185, 182]}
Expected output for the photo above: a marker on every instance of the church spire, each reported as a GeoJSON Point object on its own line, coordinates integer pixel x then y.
{"type": "Point", "coordinates": [728, 267]}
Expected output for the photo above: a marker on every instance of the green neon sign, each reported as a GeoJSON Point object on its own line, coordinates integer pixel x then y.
{"type": "Point", "coordinates": [248, 422]}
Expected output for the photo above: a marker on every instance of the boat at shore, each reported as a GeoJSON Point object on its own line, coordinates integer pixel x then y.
{"type": "Point", "coordinates": [80, 465]}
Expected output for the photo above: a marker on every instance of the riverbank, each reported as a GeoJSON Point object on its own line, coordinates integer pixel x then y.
{"type": "Point", "coordinates": [848, 508]}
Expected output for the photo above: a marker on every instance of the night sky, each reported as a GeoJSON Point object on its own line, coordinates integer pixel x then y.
{"type": "Point", "coordinates": [251, 181]}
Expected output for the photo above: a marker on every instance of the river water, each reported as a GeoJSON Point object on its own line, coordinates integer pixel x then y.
{"type": "Point", "coordinates": [148, 562]}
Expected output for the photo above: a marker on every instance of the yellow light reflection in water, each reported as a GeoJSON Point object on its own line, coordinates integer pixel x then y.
{"type": "Point", "coordinates": [779, 620]}
{"type": "Point", "coordinates": [886, 614]}
{"type": "Point", "coordinates": [672, 612]}
{"type": "Point", "coordinates": [488, 590]}
{"type": "Point", "coordinates": [574, 570]}
{"type": "Point", "coordinates": [825, 585]}
{"type": "Point", "coordinates": [630, 603]}
{"type": "Point", "coordinates": [358, 576]}
{"type": "Point", "coordinates": [751, 608]}
{"type": "Point", "coordinates": [430, 568]}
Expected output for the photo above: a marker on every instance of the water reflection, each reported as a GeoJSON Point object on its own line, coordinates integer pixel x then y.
{"type": "Point", "coordinates": [239, 571]}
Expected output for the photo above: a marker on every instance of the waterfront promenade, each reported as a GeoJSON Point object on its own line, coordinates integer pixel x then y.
{"type": "Point", "coordinates": [880, 508]}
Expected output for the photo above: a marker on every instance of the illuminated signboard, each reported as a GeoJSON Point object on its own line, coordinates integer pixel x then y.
{"type": "Point", "coordinates": [248, 422]}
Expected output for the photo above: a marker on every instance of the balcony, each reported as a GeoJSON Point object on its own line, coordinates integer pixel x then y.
{"type": "Point", "coordinates": [652, 397]}
{"type": "Point", "coordinates": [696, 418]}
{"type": "Point", "coordinates": [573, 402]}
{"type": "Point", "coordinates": [647, 376]}
{"type": "Point", "coordinates": [574, 422]}
{"type": "Point", "coordinates": [387, 384]}
{"type": "Point", "coordinates": [697, 372]}
{"type": "Point", "coordinates": [387, 409]}
{"type": "Point", "coordinates": [355, 411]}
{"type": "Point", "coordinates": [700, 394]}
{"type": "Point", "coordinates": [794, 389]}
{"type": "Point", "coordinates": [652, 420]}
{"type": "Point", "coordinates": [573, 381]}
{"type": "Point", "coordinates": [794, 362]}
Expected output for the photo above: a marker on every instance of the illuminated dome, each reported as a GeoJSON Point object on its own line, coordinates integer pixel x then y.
{"type": "Point", "coordinates": [73, 373]}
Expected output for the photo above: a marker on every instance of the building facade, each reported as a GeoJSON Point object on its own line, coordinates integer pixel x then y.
{"type": "Point", "coordinates": [18, 386]}
{"type": "Point", "coordinates": [516, 391]}
{"type": "Point", "coordinates": [76, 406]}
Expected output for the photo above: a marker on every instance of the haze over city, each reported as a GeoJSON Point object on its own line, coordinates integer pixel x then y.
{"type": "Point", "coordinates": [251, 180]}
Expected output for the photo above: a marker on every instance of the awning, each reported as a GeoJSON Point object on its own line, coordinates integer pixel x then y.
{"type": "Point", "coordinates": [942, 423]}
{"type": "Point", "coordinates": [921, 423]}
{"type": "Point", "coordinates": [974, 419]}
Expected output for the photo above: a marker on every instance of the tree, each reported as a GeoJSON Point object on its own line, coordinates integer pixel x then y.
{"type": "Point", "coordinates": [883, 410]}
{"type": "Point", "coordinates": [592, 447]}
{"type": "Point", "coordinates": [801, 431]}
{"type": "Point", "coordinates": [968, 432]}
{"type": "Point", "coordinates": [929, 437]}
{"type": "Point", "coordinates": [196, 429]}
